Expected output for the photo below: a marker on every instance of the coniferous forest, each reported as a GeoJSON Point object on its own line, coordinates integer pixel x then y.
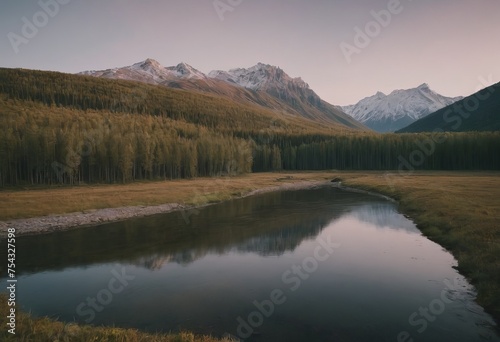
{"type": "Point", "coordinates": [66, 129]}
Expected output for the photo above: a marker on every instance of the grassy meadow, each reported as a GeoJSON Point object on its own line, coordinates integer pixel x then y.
{"type": "Point", "coordinates": [458, 210]}
{"type": "Point", "coordinates": [33, 202]}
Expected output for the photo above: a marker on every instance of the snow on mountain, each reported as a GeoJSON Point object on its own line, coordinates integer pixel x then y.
{"type": "Point", "coordinates": [186, 71]}
{"type": "Point", "coordinates": [273, 81]}
{"type": "Point", "coordinates": [294, 92]}
{"type": "Point", "coordinates": [389, 113]}
{"type": "Point", "coordinates": [259, 77]}
{"type": "Point", "coordinates": [149, 71]}
{"type": "Point", "coordinates": [262, 84]}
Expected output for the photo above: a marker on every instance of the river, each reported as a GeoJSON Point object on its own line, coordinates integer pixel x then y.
{"type": "Point", "coordinates": [323, 264]}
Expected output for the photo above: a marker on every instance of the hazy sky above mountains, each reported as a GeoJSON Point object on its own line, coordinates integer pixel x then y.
{"type": "Point", "coordinates": [449, 44]}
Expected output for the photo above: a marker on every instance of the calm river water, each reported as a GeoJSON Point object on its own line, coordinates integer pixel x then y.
{"type": "Point", "coordinates": [310, 265]}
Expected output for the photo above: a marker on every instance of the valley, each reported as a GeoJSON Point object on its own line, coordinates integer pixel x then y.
{"type": "Point", "coordinates": [446, 206]}
{"type": "Point", "coordinates": [102, 150]}
{"type": "Point", "coordinates": [230, 170]}
{"type": "Point", "coordinates": [73, 129]}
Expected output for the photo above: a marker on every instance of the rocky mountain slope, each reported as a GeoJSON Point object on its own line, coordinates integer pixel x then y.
{"type": "Point", "coordinates": [265, 85]}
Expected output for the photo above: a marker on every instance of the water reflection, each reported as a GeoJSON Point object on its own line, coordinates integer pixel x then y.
{"type": "Point", "coordinates": [383, 215]}
{"type": "Point", "coordinates": [269, 224]}
{"type": "Point", "coordinates": [202, 276]}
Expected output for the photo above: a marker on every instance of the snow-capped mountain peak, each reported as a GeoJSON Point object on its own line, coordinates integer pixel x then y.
{"type": "Point", "coordinates": [150, 71]}
{"type": "Point", "coordinates": [148, 68]}
{"type": "Point", "coordinates": [262, 84]}
{"type": "Point", "coordinates": [150, 64]}
{"type": "Point", "coordinates": [400, 108]}
{"type": "Point", "coordinates": [258, 77]}
{"type": "Point", "coordinates": [184, 70]}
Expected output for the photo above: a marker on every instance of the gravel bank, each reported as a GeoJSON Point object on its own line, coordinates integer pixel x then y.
{"type": "Point", "coordinates": [53, 223]}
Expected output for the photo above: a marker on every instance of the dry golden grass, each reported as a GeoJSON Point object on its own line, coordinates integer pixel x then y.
{"type": "Point", "coordinates": [458, 210]}
{"type": "Point", "coordinates": [46, 201]}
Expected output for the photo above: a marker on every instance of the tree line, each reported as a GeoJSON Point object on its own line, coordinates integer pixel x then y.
{"type": "Point", "coordinates": [67, 129]}
{"type": "Point", "coordinates": [49, 145]}
{"type": "Point", "coordinates": [423, 151]}
{"type": "Point", "coordinates": [43, 145]}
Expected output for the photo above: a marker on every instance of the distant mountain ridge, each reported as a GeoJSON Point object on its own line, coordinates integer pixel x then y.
{"type": "Point", "coordinates": [258, 77]}
{"type": "Point", "coordinates": [477, 112]}
{"type": "Point", "coordinates": [265, 85]}
{"type": "Point", "coordinates": [149, 71]}
{"type": "Point", "coordinates": [389, 113]}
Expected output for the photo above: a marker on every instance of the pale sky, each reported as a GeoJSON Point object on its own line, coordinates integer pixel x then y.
{"type": "Point", "coordinates": [449, 44]}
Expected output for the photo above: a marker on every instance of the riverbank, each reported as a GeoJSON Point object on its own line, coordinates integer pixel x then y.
{"type": "Point", "coordinates": [458, 210]}
{"type": "Point", "coordinates": [92, 217]}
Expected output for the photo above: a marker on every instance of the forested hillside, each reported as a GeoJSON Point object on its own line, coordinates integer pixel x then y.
{"type": "Point", "coordinates": [89, 93]}
{"type": "Point", "coordinates": [478, 112]}
{"type": "Point", "coordinates": [266, 86]}
{"type": "Point", "coordinates": [59, 128]}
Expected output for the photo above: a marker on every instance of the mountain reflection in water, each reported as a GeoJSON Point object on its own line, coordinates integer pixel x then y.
{"type": "Point", "coordinates": [283, 221]}
{"type": "Point", "coordinates": [204, 275]}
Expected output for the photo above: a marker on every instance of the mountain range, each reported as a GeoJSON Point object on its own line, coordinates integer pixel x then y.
{"type": "Point", "coordinates": [477, 112]}
{"type": "Point", "coordinates": [67, 129]}
{"type": "Point", "coordinates": [389, 113]}
{"type": "Point", "coordinates": [263, 84]}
